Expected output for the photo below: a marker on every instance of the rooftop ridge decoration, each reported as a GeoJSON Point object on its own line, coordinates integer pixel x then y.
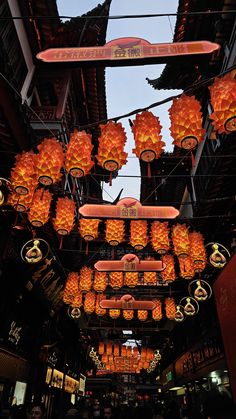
{"type": "Point", "coordinates": [130, 263]}
{"type": "Point", "coordinates": [130, 50]}
{"type": "Point", "coordinates": [129, 208]}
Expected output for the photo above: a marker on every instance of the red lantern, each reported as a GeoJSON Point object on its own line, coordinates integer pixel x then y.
{"type": "Point", "coordinates": [142, 315]}
{"type": "Point", "coordinates": [88, 228]}
{"type": "Point", "coordinates": [147, 134]}
{"type": "Point", "coordinates": [128, 314]}
{"type": "Point", "coordinates": [160, 237]}
{"type": "Point", "coordinates": [169, 272]}
{"type": "Point", "coordinates": [223, 100]}
{"type": "Point", "coordinates": [131, 279]}
{"type": "Point", "coordinates": [39, 210]}
{"type": "Point", "coordinates": [150, 278]}
{"type": "Point", "coordinates": [157, 311]}
{"type": "Point", "coordinates": [180, 238]}
{"type": "Point", "coordinates": [78, 155]}
{"type": "Point", "coordinates": [111, 155]}
{"type": "Point", "coordinates": [197, 251]}
{"type": "Point", "coordinates": [186, 122]}
{"type": "Point", "coordinates": [85, 279]}
{"type": "Point", "coordinates": [138, 234]}
{"type": "Point", "coordinates": [98, 309]}
{"type": "Point", "coordinates": [115, 230]}
{"type": "Point", "coordinates": [116, 280]}
{"type": "Point", "coordinates": [49, 161]}
{"type": "Point", "coordinates": [23, 177]}
{"type": "Point", "coordinates": [170, 308]}
{"type": "Point", "coordinates": [186, 268]}
{"type": "Point", "coordinates": [65, 214]}
{"type": "Point", "coordinates": [114, 313]}
{"type": "Point", "coordinates": [100, 281]}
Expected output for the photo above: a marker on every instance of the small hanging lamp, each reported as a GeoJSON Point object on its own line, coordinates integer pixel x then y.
{"type": "Point", "coordinates": [147, 135]}
{"type": "Point", "coordinates": [138, 234]}
{"type": "Point", "coordinates": [223, 100]}
{"type": "Point", "coordinates": [85, 279]}
{"type": "Point", "coordinates": [157, 311]}
{"type": "Point", "coordinates": [170, 308]}
{"type": "Point", "coordinates": [23, 178]}
{"type": "Point", "coordinates": [180, 238]}
{"type": "Point", "coordinates": [168, 274]}
{"type": "Point", "coordinates": [116, 280]}
{"type": "Point", "coordinates": [49, 161]}
{"type": "Point", "coordinates": [160, 237]}
{"type": "Point", "coordinates": [131, 279]}
{"type": "Point", "coordinates": [100, 281]}
{"type": "Point", "coordinates": [186, 268]}
{"type": "Point", "coordinates": [111, 155]}
{"type": "Point", "coordinates": [89, 302]}
{"type": "Point", "coordinates": [186, 122]}
{"type": "Point", "coordinates": [142, 315]}
{"type": "Point", "coordinates": [78, 155]}
{"type": "Point", "coordinates": [115, 230]}
{"type": "Point", "coordinates": [39, 210]}
{"type": "Point", "coordinates": [197, 251]}
{"type": "Point", "coordinates": [65, 214]}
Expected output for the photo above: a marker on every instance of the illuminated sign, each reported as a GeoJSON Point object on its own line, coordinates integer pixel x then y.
{"type": "Point", "coordinates": [127, 302]}
{"type": "Point", "coordinates": [129, 208]}
{"type": "Point", "coordinates": [132, 49]}
{"type": "Point", "coordinates": [130, 263]}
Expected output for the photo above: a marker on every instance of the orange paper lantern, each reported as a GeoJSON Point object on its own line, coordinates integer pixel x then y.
{"type": "Point", "coordinates": [116, 280]}
{"type": "Point", "coordinates": [180, 238]}
{"type": "Point", "coordinates": [88, 228]}
{"type": "Point", "coordinates": [100, 281]}
{"type": "Point", "coordinates": [114, 313]}
{"type": "Point", "coordinates": [223, 100]}
{"type": "Point", "coordinates": [131, 279]}
{"type": "Point", "coordinates": [149, 278]}
{"type": "Point", "coordinates": [138, 234]}
{"type": "Point", "coordinates": [186, 122]}
{"type": "Point", "coordinates": [49, 161]}
{"type": "Point", "coordinates": [20, 203]}
{"type": "Point", "coordinates": [23, 178]}
{"type": "Point", "coordinates": [89, 302]}
{"type": "Point", "coordinates": [170, 308]}
{"type": "Point", "coordinates": [143, 354]}
{"type": "Point", "coordinates": [85, 279]}
{"type": "Point", "coordinates": [116, 350]}
{"type": "Point", "coordinates": [135, 352]}
{"type": "Point", "coordinates": [77, 300]}
{"type": "Point", "coordinates": [71, 288]}
{"type": "Point", "coordinates": [101, 348]}
{"type": "Point", "coordinates": [98, 309]}
{"type": "Point", "coordinates": [108, 348]}
{"type": "Point", "coordinates": [39, 210]}
{"type": "Point", "coordinates": [128, 314]}
{"type": "Point", "coordinates": [169, 272]}
{"type": "Point", "coordinates": [157, 311]}
{"type": "Point", "coordinates": [186, 268]}
{"type": "Point", "coordinates": [111, 155]}
{"type": "Point", "coordinates": [65, 214]}
{"type": "Point", "coordinates": [78, 155]}
{"type": "Point", "coordinates": [142, 315]}
{"type": "Point", "coordinates": [115, 231]}
{"type": "Point", "coordinates": [123, 351]}
{"type": "Point", "coordinates": [197, 251]}
{"type": "Point", "coordinates": [160, 237]}
{"type": "Point", "coordinates": [147, 134]}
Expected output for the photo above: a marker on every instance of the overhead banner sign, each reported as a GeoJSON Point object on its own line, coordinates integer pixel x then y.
{"type": "Point", "coordinates": [130, 263]}
{"type": "Point", "coordinates": [122, 50]}
{"type": "Point", "coordinates": [129, 208]}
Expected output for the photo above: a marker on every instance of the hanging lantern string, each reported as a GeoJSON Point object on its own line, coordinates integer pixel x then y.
{"type": "Point", "coordinates": [189, 89]}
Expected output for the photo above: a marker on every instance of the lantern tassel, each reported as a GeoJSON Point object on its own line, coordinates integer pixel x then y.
{"type": "Point", "coordinates": [193, 159]}
{"type": "Point", "coordinates": [113, 253]}
{"type": "Point", "coordinates": [149, 171]}
{"type": "Point", "coordinates": [86, 252]}
{"type": "Point", "coordinates": [110, 179]}
{"type": "Point", "coordinates": [74, 187]}
{"type": "Point", "coordinates": [60, 247]}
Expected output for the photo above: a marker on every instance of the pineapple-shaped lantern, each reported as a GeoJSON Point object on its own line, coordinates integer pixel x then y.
{"type": "Point", "coordinates": [89, 302]}
{"type": "Point", "coordinates": [168, 274]}
{"type": "Point", "coordinates": [71, 287]}
{"type": "Point", "coordinates": [157, 311]}
{"type": "Point", "coordinates": [65, 214]}
{"type": "Point", "coordinates": [49, 161]}
{"type": "Point", "coordinates": [100, 281]}
{"type": "Point", "coordinates": [170, 308]}
{"type": "Point", "coordinates": [85, 279]}
{"type": "Point", "coordinates": [115, 230]}
{"type": "Point", "coordinates": [23, 178]}
{"type": "Point", "coordinates": [78, 155]}
{"type": "Point", "coordinates": [88, 228]}
{"type": "Point", "coordinates": [180, 238]}
{"type": "Point", "coordinates": [197, 251]}
{"type": "Point", "coordinates": [116, 280]}
{"type": "Point", "coordinates": [39, 210]}
{"type": "Point", "coordinates": [138, 234]}
{"type": "Point", "coordinates": [160, 237]}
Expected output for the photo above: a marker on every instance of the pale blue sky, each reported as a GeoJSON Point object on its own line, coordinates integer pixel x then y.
{"type": "Point", "coordinates": [126, 87]}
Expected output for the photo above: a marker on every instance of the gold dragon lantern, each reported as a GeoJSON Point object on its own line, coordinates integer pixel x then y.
{"type": "Point", "coordinates": [65, 215]}
{"type": "Point", "coordinates": [115, 230]}
{"type": "Point", "coordinates": [39, 209]}
{"type": "Point", "coordinates": [160, 237]}
{"type": "Point", "coordinates": [116, 280]}
{"type": "Point", "coordinates": [180, 238]}
{"type": "Point", "coordinates": [168, 274]}
{"type": "Point", "coordinates": [147, 135]}
{"type": "Point", "coordinates": [223, 100]}
{"type": "Point", "coordinates": [78, 154]}
{"type": "Point", "coordinates": [170, 308]}
{"type": "Point", "coordinates": [23, 178]}
{"type": "Point", "coordinates": [186, 122]}
{"type": "Point", "coordinates": [49, 161]}
{"type": "Point", "coordinates": [85, 279]}
{"type": "Point", "coordinates": [197, 251]}
{"type": "Point", "coordinates": [157, 311]}
{"type": "Point", "coordinates": [138, 234]}
{"type": "Point", "coordinates": [111, 155]}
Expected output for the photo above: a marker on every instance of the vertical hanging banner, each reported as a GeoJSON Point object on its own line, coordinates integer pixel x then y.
{"type": "Point", "coordinates": [132, 51]}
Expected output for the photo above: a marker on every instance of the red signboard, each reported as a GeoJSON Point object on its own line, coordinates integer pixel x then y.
{"type": "Point", "coordinates": [127, 49]}
{"type": "Point", "coordinates": [225, 296]}
{"type": "Point", "coordinates": [127, 302]}
{"type": "Point", "coordinates": [129, 208]}
{"type": "Point", "coordinates": [130, 263]}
